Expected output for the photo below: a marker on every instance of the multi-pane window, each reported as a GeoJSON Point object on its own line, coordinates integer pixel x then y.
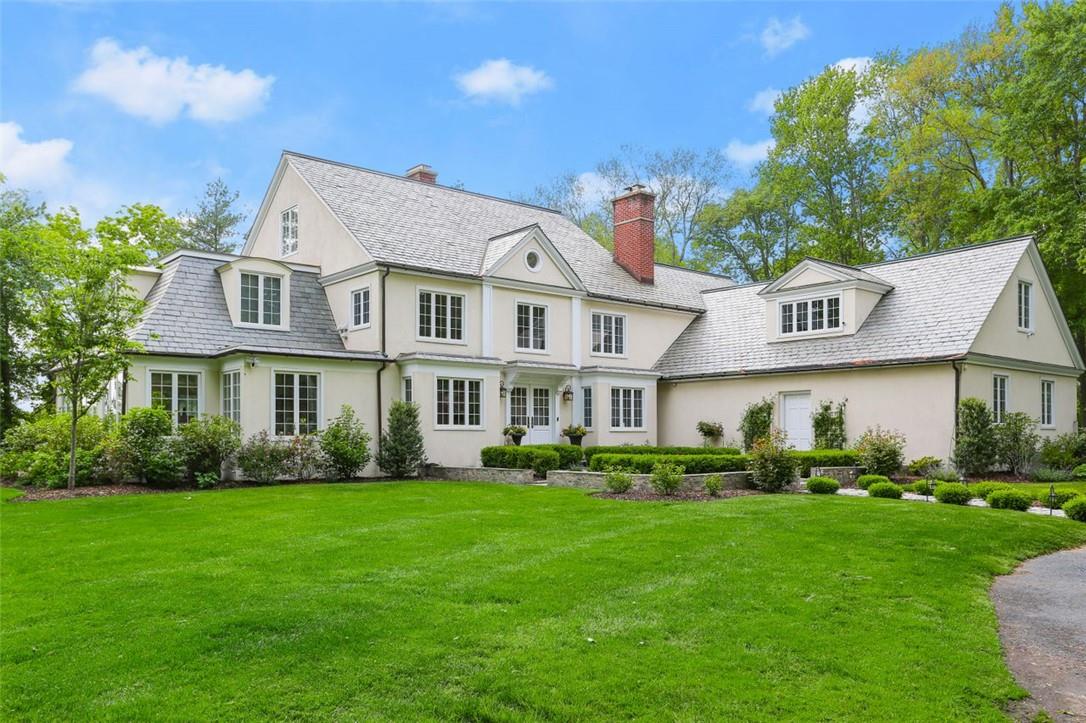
{"type": "Point", "coordinates": [441, 316]}
{"type": "Point", "coordinates": [261, 299]}
{"type": "Point", "coordinates": [531, 327]}
{"type": "Point", "coordinates": [408, 390]}
{"type": "Point", "coordinates": [459, 402]}
{"type": "Point", "coordinates": [1025, 305]}
{"type": "Point", "coordinates": [999, 398]}
{"type": "Point", "coordinates": [586, 396]}
{"type": "Point", "coordinates": [1048, 388]}
{"type": "Point", "coordinates": [627, 408]}
{"type": "Point", "coordinates": [288, 236]}
{"type": "Point", "coordinates": [296, 403]}
{"type": "Point", "coordinates": [360, 307]}
{"type": "Point", "coordinates": [178, 393]}
{"type": "Point", "coordinates": [231, 396]}
{"type": "Point", "coordinates": [797, 317]}
{"type": "Point", "coordinates": [608, 334]}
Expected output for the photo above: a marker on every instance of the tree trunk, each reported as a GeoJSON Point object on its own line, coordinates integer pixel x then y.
{"type": "Point", "coordinates": [71, 452]}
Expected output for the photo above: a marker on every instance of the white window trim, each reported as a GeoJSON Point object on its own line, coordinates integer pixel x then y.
{"type": "Point", "coordinates": [546, 350]}
{"type": "Point", "coordinates": [350, 308]}
{"type": "Point", "coordinates": [1006, 397]}
{"type": "Point", "coordinates": [625, 335]}
{"type": "Point", "coordinates": [590, 423]}
{"type": "Point", "coordinates": [1052, 397]}
{"type": "Point", "coordinates": [538, 266]}
{"type": "Point", "coordinates": [407, 381]}
{"type": "Point", "coordinates": [283, 301]}
{"type": "Point", "coordinates": [222, 397]}
{"type": "Point", "coordinates": [463, 321]}
{"type": "Point", "coordinates": [482, 404]}
{"type": "Point", "coordinates": [271, 400]}
{"type": "Point", "coordinates": [297, 233]}
{"type": "Point", "coordinates": [825, 330]}
{"type": "Point", "coordinates": [1028, 329]}
{"type": "Point", "coordinates": [201, 396]}
{"type": "Point", "coordinates": [610, 417]}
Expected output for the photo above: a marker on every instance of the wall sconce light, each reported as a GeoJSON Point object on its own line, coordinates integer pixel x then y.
{"type": "Point", "coordinates": [503, 392]}
{"type": "Point", "coordinates": [251, 361]}
{"type": "Point", "coordinates": [567, 394]}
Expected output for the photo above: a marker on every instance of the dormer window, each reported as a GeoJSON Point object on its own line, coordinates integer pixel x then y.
{"type": "Point", "coordinates": [810, 315]}
{"type": "Point", "coordinates": [261, 299]}
{"type": "Point", "coordinates": [288, 240]}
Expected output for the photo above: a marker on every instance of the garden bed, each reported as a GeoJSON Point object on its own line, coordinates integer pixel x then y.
{"type": "Point", "coordinates": [683, 495]}
{"type": "Point", "coordinates": [33, 494]}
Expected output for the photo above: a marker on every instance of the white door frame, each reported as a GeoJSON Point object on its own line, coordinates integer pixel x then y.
{"type": "Point", "coordinates": [785, 396]}
{"type": "Point", "coordinates": [537, 433]}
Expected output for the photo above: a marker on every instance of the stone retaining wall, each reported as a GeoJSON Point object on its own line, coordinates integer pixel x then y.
{"type": "Point", "coordinates": [595, 480]}
{"type": "Point", "coordinates": [481, 474]}
{"type": "Point", "coordinates": [846, 476]}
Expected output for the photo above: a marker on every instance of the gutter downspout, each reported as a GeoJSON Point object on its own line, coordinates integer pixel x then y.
{"type": "Point", "coordinates": [957, 394]}
{"type": "Point", "coordinates": [384, 361]}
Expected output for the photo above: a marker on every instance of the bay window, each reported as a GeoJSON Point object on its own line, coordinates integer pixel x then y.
{"type": "Point", "coordinates": [627, 408]}
{"type": "Point", "coordinates": [459, 402]}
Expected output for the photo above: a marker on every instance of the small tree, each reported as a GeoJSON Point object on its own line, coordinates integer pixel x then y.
{"type": "Point", "coordinates": [882, 451]}
{"type": "Point", "coordinates": [346, 445]}
{"type": "Point", "coordinates": [828, 424]}
{"type": "Point", "coordinates": [402, 451]}
{"type": "Point", "coordinates": [974, 447]}
{"type": "Point", "coordinates": [1016, 442]}
{"type": "Point", "coordinates": [213, 225]}
{"type": "Point", "coordinates": [771, 464]}
{"type": "Point", "coordinates": [756, 423]}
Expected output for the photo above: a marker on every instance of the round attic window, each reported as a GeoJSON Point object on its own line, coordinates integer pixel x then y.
{"type": "Point", "coordinates": [531, 260]}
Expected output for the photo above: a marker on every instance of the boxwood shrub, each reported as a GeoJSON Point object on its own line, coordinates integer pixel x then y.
{"type": "Point", "coordinates": [921, 487]}
{"type": "Point", "coordinates": [981, 490]}
{"type": "Point", "coordinates": [823, 486]}
{"type": "Point", "coordinates": [529, 457]}
{"type": "Point", "coordinates": [884, 489]}
{"type": "Point", "coordinates": [1076, 508]}
{"type": "Point", "coordinates": [569, 455]}
{"type": "Point", "coordinates": [1062, 498]}
{"type": "Point", "coordinates": [953, 493]}
{"type": "Point", "coordinates": [1010, 500]}
{"type": "Point", "coordinates": [590, 452]}
{"type": "Point", "coordinates": [694, 463]}
{"type": "Point", "coordinates": [866, 480]}
{"type": "Point", "coordinates": [1079, 472]}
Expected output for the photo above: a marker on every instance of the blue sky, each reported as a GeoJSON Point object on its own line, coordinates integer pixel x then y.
{"type": "Point", "coordinates": [103, 105]}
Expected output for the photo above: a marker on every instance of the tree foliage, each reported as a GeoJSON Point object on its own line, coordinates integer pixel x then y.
{"type": "Point", "coordinates": [213, 225]}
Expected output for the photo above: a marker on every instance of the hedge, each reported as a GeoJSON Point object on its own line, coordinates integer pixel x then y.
{"type": "Point", "coordinates": [590, 452]}
{"type": "Point", "coordinates": [513, 457]}
{"type": "Point", "coordinates": [569, 455]}
{"type": "Point", "coordinates": [825, 458]}
{"type": "Point", "coordinates": [694, 463]}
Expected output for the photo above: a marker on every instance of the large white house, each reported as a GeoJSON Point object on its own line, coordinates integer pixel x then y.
{"type": "Point", "coordinates": [359, 287]}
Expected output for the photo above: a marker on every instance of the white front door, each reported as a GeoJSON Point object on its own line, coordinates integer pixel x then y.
{"type": "Point", "coordinates": [796, 416]}
{"type": "Point", "coordinates": [530, 407]}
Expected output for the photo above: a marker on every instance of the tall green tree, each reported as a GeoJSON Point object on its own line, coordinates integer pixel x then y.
{"type": "Point", "coordinates": [145, 226]}
{"type": "Point", "coordinates": [213, 226]}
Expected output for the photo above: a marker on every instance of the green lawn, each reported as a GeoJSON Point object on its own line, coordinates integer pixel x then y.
{"type": "Point", "coordinates": [405, 601]}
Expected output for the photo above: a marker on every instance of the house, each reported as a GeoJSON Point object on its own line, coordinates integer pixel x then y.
{"type": "Point", "coordinates": [359, 287]}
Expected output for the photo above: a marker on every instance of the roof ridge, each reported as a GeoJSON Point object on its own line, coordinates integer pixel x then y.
{"type": "Point", "coordinates": [693, 271]}
{"type": "Point", "coordinates": [954, 250]}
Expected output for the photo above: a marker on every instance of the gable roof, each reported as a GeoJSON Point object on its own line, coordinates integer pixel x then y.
{"type": "Point", "coordinates": [410, 224]}
{"type": "Point", "coordinates": [924, 318]}
{"type": "Point", "coordinates": [186, 315]}
{"type": "Point", "coordinates": [840, 272]}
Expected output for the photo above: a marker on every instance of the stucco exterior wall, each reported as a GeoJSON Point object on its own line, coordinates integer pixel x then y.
{"type": "Point", "coordinates": [1024, 393]}
{"type": "Point", "coordinates": [504, 321]}
{"type": "Point", "coordinates": [515, 268]}
{"type": "Point", "coordinates": [650, 331]}
{"type": "Point", "coordinates": [402, 315]}
{"type": "Point", "coordinates": [367, 338]}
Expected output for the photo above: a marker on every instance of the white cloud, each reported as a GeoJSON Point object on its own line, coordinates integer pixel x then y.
{"type": "Point", "coordinates": [595, 189]}
{"type": "Point", "coordinates": [747, 154]}
{"type": "Point", "coordinates": [778, 36]}
{"type": "Point", "coordinates": [159, 89]}
{"type": "Point", "coordinates": [501, 81]}
{"type": "Point", "coordinates": [29, 164]}
{"type": "Point", "coordinates": [763, 101]}
{"type": "Point", "coordinates": [857, 65]}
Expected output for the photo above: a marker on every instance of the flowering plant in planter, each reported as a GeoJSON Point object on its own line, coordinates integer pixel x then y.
{"type": "Point", "coordinates": [516, 432]}
{"type": "Point", "coordinates": [576, 433]}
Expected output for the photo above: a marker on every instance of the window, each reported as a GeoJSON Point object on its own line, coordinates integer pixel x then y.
{"type": "Point", "coordinates": [608, 334]}
{"type": "Point", "coordinates": [531, 260]}
{"type": "Point", "coordinates": [999, 398]}
{"type": "Point", "coordinates": [441, 316]}
{"type": "Point", "coordinates": [261, 299]}
{"type": "Point", "coordinates": [627, 408]}
{"type": "Point", "coordinates": [1025, 306]}
{"type": "Point", "coordinates": [459, 402]}
{"type": "Point", "coordinates": [231, 396]}
{"type": "Point", "coordinates": [360, 307]}
{"type": "Point", "coordinates": [178, 393]}
{"type": "Point", "coordinates": [288, 238]}
{"type": "Point", "coordinates": [1048, 388]}
{"type": "Point", "coordinates": [408, 391]}
{"type": "Point", "coordinates": [798, 317]}
{"type": "Point", "coordinates": [295, 404]}
{"type": "Point", "coordinates": [586, 396]}
{"type": "Point", "coordinates": [531, 327]}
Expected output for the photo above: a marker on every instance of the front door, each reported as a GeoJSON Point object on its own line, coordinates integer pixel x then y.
{"type": "Point", "coordinates": [796, 415]}
{"type": "Point", "coordinates": [530, 407]}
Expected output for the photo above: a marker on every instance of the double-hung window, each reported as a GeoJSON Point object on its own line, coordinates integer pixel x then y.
{"type": "Point", "coordinates": [288, 232]}
{"type": "Point", "coordinates": [1048, 389]}
{"type": "Point", "coordinates": [531, 327]}
{"type": "Point", "coordinates": [799, 317]}
{"type": "Point", "coordinates": [608, 334]}
{"type": "Point", "coordinates": [231, 396]}
{"type": "Point", "coordinates": [586, 396]}
{"type": "Point", "coordinates": [296, 406]}
{"type": "Point", "coordinates": [999, 398]}
{"type": "Point", "coordinates": [408, 390]}
{"type": "Point", "coordinates": [1025, 306]}
{"type": "Point", "coordinates": [360, 307]}
{"type": "Point", "coordinates": [261, 299]}
{"type": "Point", "coordinates": [459, 402]}
{"type": "Point", "coordinates": [627, 408]}
{"type": "Point", "coordinates": [178, 393]}
{"type": "Point", "coordinates": [441, 316]}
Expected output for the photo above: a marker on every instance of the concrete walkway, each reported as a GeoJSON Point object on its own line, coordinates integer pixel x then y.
{"type": "Point", "coordinates": [1042, 624]}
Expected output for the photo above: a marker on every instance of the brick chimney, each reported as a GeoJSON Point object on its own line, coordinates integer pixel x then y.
{"type": "Point", "coordinates": [423, 173]}
{"type": "Point", "coordinates": [635, 236]}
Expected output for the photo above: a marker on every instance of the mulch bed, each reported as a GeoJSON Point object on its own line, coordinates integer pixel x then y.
{"type": "Point", "coordinates": [682, 496]}
{"type": "Point", "coordinates": [33, 494]}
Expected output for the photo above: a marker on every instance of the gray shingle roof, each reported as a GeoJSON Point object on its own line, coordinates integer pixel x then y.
{"type": "Point", "coordinates": [186, 314]}
{"type": "Point", "coordinates": [926, 316]}
{"type": "Point", "coordinates": [420, 225]}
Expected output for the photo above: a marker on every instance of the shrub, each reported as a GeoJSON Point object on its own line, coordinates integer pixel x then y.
{"type": "Point", "coordinates": [866, 480]}
{"type": "Point", "coordinates": [1061, 498]}
{"type": "Point", "coordinates": [402, 451]}
{"type": "Point", "coordinates": [208, 443]}
{"type": "Point", "coordinates": [166, 467]}
{"type": "Point", "coordinates": [713, 485]}
{"type": "Point", "coordinates": [975, 445]}
{"type": "Point", "coordinates": [143, 433]}
{"type": "Point", "coordinates": [953, 493]}
{"type": "Point", "coordinates": [590, 452]}
{"type": "Point", "coordinates": [617, 480]}
{"type": "Point", "coordinates": [1010, 499]}
{"type": "Point", "coordinates": [921, 466]}
{"type": "Point", "coordinates": [536, 458]}
{"type": "Point", "coordinates": [345, 445]}
{"type": "Point", "coordinates": [1016, 441]}
{"type": "Point", "coordinates": [206, 480]}
{"type": "Point", "coordinates": [36, 451]}
{"type": "Point", "coordinates": [809, 458]}
{"type": "Point", "coordinates": [667, 478]}
{"type": "Point", "coordinates": [882, 451]}
{"type": "Point", "coordinates": [888, 490]}
{"type": "Point", "coordinates": [694, 463]}
{"type": "Point", "coordinates": [828, 424]}
{"type": "Point", "coordinates": [823, 486]}
{"type": "Point", "coordinates": [756, 423]}
{"type": "Point", "coordinates": [1048, 474]}
{"type": "Point", "coordinates": [921, 487]}
{"type": "Point", "coordinates": [944, 474]}
{"type": "Point", "coordinates": [1064, 451]}
{"type": "Point", "coordinates": [1079, 472]}
{"type": "Point", "coordinates": [304, 457]}
{"type": "Point", "coordinates": [1076, 508]}
{"type": "Point", "coordinates": [710, 431]}
{"type": "Point", "coordinates": [981, 490]}
{"type": "Point", "coordinates": [263, 459]}
{"type": "Point", "coordinates": [569, 455]}
{"type": "Point", "coordinates": [772, 466]}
